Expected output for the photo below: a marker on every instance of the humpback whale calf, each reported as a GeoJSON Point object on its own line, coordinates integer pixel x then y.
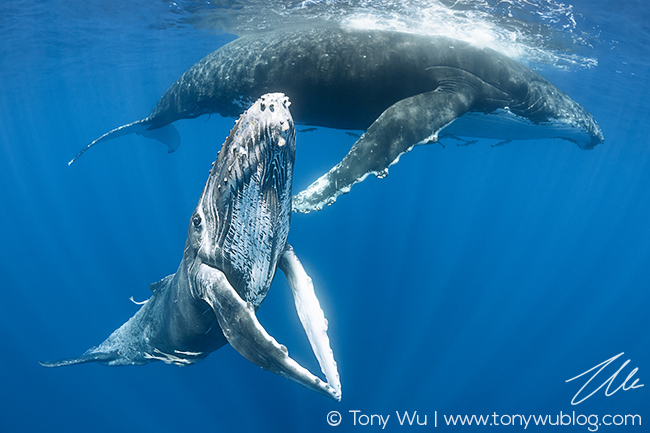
{"type": "Point", "coordinates": [237, 237]}
{"type": "Point", "coordinates": [402, 89]}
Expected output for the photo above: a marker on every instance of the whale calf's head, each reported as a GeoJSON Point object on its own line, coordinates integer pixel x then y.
{"type": "Point", "coordinates": [238, 238]}
{"type": "Point", "coordinates": [241, 222]}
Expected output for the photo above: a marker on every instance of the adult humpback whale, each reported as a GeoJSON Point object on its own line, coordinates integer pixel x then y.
{"type": "Point", "coordinates": [237, 237]}
{"type": "Point", "coordinates": [403, 89]}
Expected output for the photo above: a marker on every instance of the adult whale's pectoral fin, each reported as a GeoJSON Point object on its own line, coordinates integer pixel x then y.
{"type": "Point", "coordinates": [411, 121]}
{"type": "Point", "coordinates": [311, 315]}
{"type": "Point", "coordinates": [244, 332]}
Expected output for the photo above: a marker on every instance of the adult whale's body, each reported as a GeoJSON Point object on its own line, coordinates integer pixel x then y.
{"type": "Point", "coordinates": [403, 89]}
{"type": "Point", "coordinates": [236, 238]}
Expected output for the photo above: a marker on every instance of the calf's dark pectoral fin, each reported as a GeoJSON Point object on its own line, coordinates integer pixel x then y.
{"type": "Point", "coordinates": [244, 332]}
{"type": "Point", "coordinates": [410, 121]}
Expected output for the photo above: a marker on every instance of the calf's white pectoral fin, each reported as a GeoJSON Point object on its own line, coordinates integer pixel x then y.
{"type": "Point", "coordinates": [311, 315]}
{"type": "Point", "coordinates": [248, 337]}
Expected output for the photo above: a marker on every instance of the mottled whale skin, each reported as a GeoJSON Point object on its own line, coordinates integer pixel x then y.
{"type": "Point", "coordinates": [236, 240]}
{"type": "Point", "coordinates": [402, 89]}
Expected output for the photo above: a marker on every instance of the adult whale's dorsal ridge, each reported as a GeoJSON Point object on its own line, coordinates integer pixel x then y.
{"type": "Point", "coordinates": [237, 238]}
{"type": "Point", "coordinates": [402, 89]}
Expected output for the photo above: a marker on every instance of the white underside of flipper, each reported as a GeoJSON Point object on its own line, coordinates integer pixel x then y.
{"type": "Point", "coordinates": [311, 315]}
{"type": "Point", "coordinates": [248, 337]}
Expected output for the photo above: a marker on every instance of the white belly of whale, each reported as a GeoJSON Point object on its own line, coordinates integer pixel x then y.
{"type": "Point", "coordinates": [503, 124]}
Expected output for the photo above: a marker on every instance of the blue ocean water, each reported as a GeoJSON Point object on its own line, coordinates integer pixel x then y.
{"type": "Point", "coordinates": [472, 280]}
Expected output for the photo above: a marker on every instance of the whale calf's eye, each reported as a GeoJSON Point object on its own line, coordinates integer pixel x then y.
{"type": "Point", "coordinates": [196, 220]}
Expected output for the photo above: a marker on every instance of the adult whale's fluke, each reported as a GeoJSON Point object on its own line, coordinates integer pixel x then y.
{"type": "Point", "coordinates": [236, 240]}
{"type": "Point", "coordinates": [402, 89]}
{"type": "Point", "coordinates": [167, 134]}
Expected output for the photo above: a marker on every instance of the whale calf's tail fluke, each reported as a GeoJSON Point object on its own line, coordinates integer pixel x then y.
{"type": "Point", "coordinates": [89, 356]}
{"type": "Point", "coordinates": [168, 135]}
